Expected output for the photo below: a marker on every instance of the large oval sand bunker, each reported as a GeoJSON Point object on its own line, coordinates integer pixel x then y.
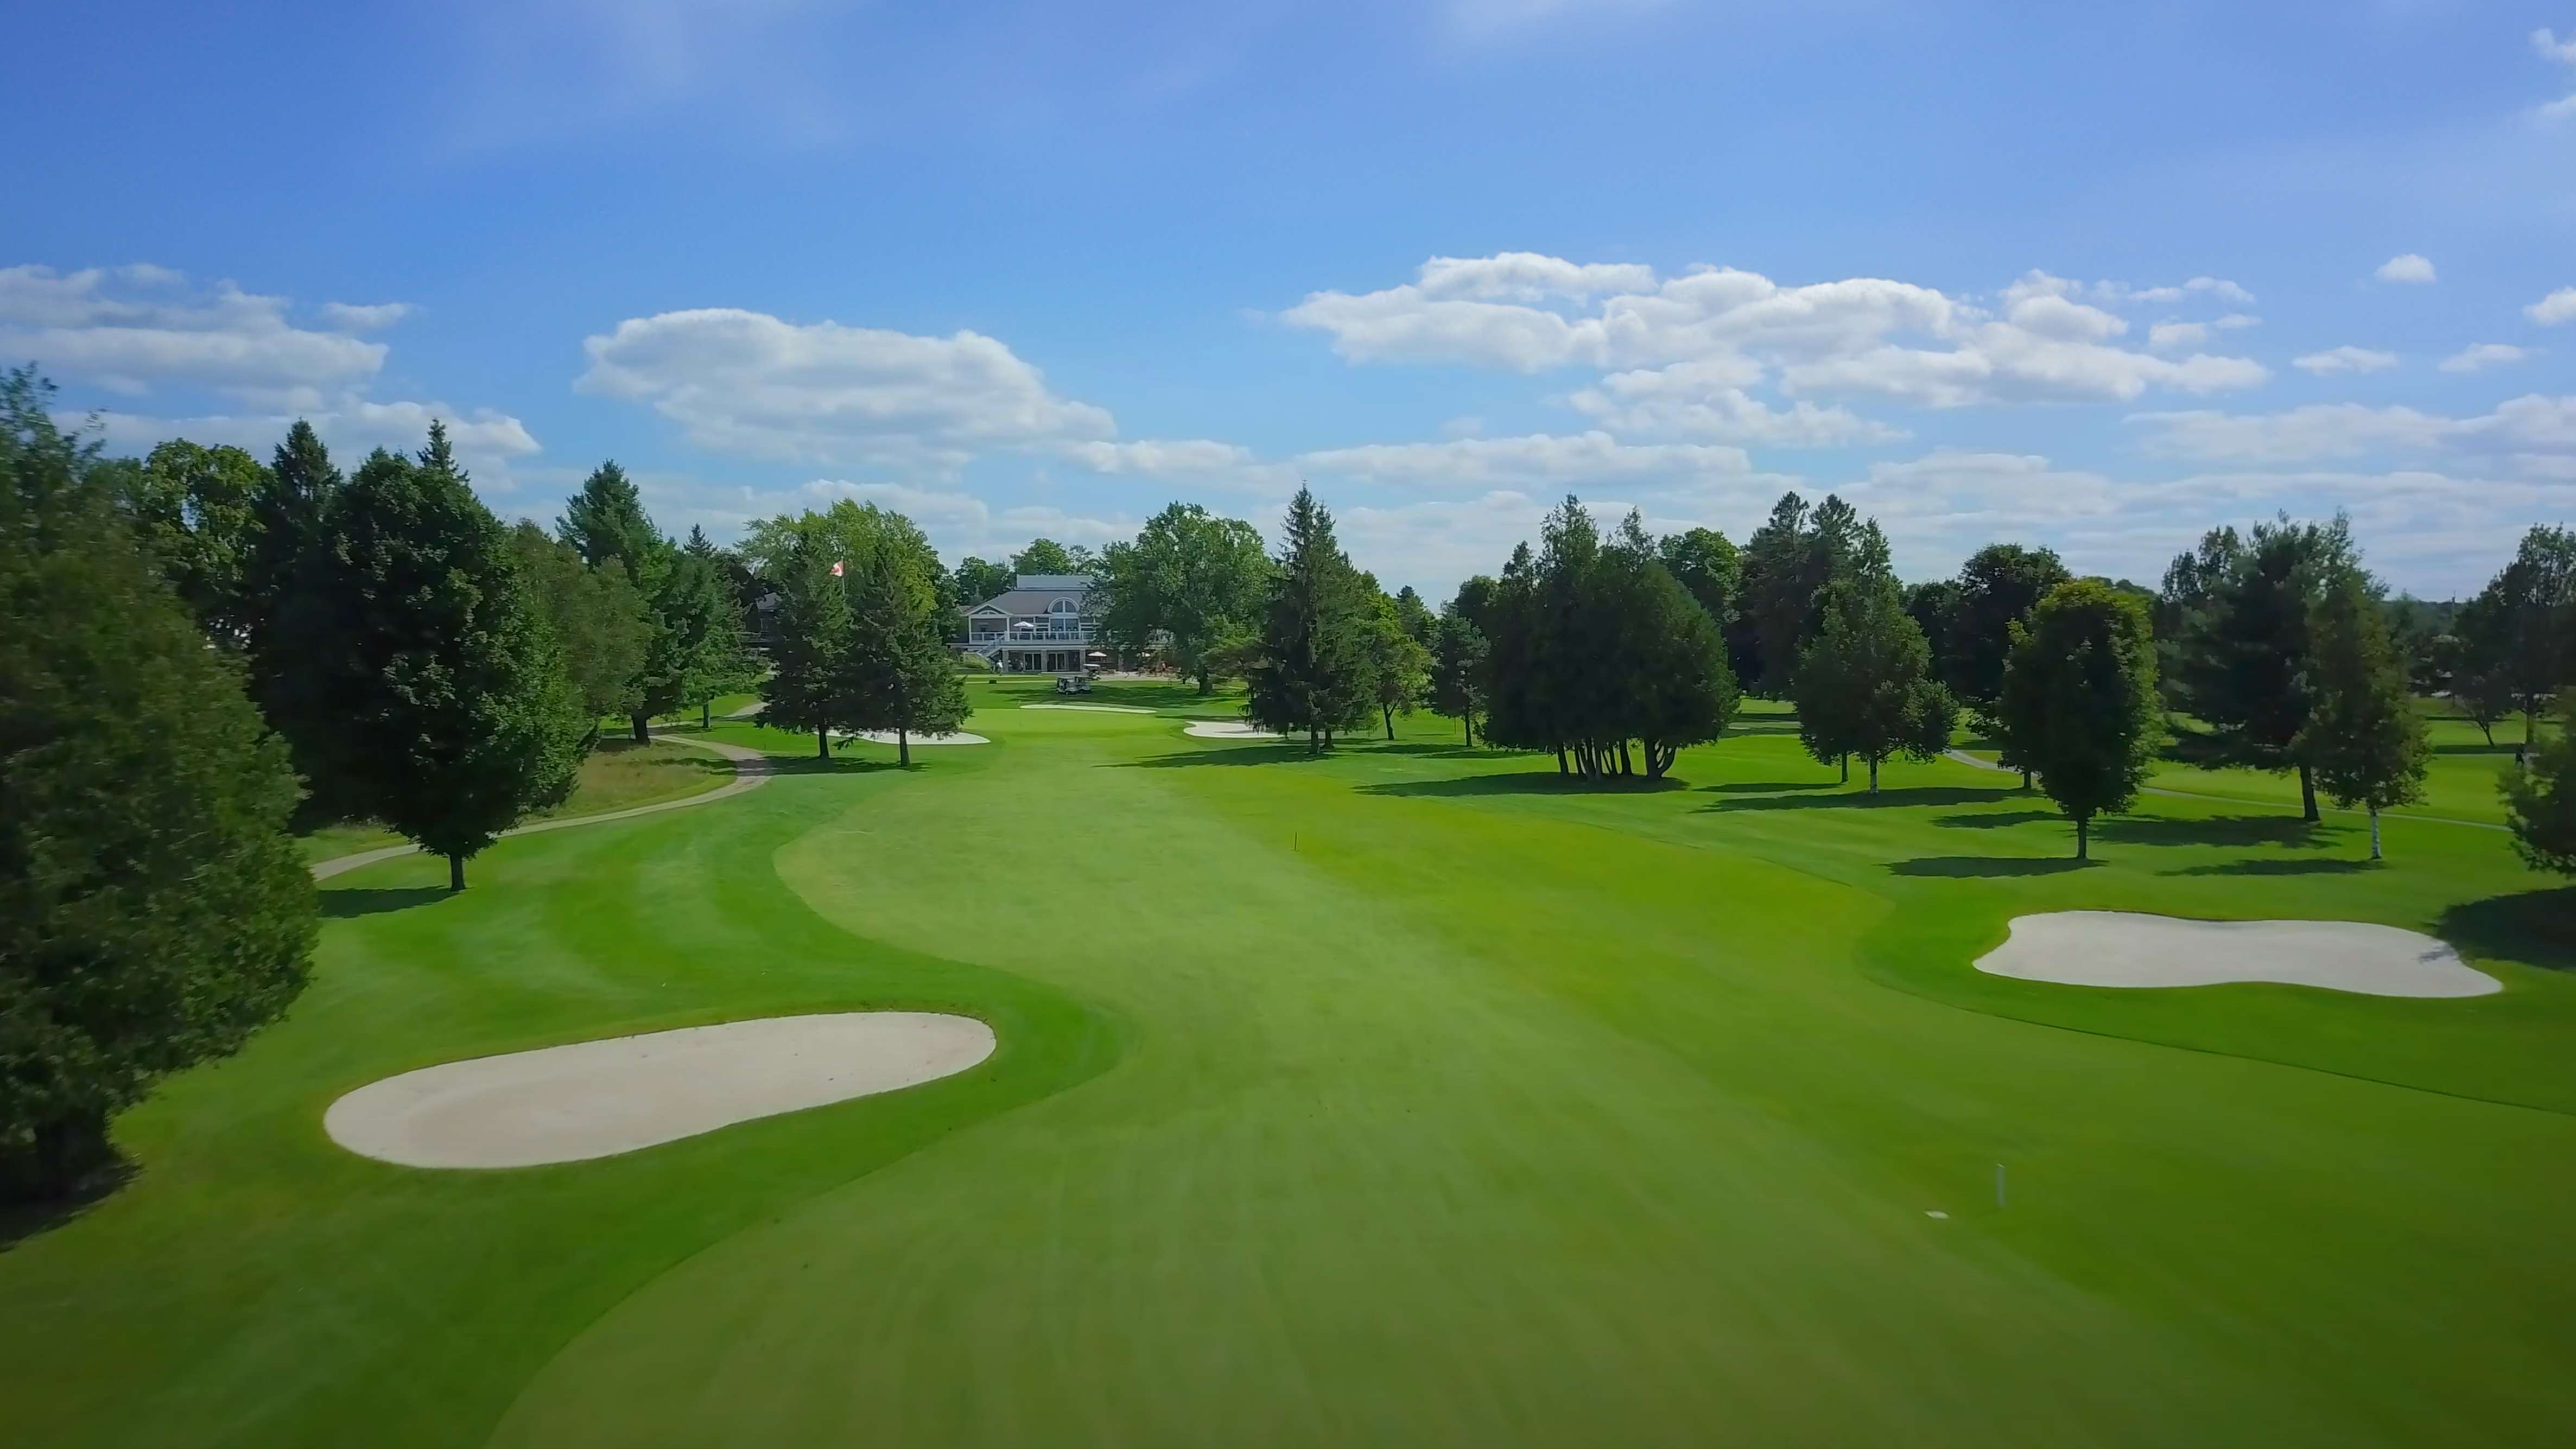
{"type": "Point", "coordinates": [2123, 948]}
{"type": "Point", "coordinates": [600, 1098]}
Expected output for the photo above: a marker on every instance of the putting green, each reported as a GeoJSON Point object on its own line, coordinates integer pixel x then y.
{"type": "Point", "coordinates": [1402, 1095]}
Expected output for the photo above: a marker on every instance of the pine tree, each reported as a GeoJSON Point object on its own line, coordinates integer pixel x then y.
{"type": "Point", "coordinates": [2247, 661]}
{"type": "Point", "coordinates": [811, 644]}
{"type": "Point", "coordinates": [1865, 685]}
{"type": "Point", "coordinates": [427, 676]}
{"type": "Point", "coordinates": [1458, 679]}
{"type": "Point", "coordinates": [902, 674]}
{"type": "Point", "coordinates": [286, 524]}
{"type": "Point", "coordinates": [1313, 675]}
{"type": "Point", "coordinates": [691, 649]}
{"type": "Point", "coordinates": [605, 523]}
{"type": "Point", "coordinates": [2363, 737]}
{"type": "Point", "coordinates": [2079, 701]}
{"type": "Point", "coordinates": [2522, 625]}
{"type": "Point", "coordinates": [153, 910]}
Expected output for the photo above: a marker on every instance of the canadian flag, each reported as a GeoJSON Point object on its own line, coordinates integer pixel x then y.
{"type": "Point", "coordinates": [836, 568]}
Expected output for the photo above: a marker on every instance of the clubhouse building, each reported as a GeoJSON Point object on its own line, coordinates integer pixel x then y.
{"type": "Point", "coordinates": [1038, 627]}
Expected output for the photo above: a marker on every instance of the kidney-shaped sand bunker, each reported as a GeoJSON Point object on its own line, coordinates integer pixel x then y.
{"type": "Point", "coordinates": [600, 1098]}
{"type": "Point", "coordinates": [2125, 948]}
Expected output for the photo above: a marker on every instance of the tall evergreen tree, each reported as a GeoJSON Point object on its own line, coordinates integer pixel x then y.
{"type": "Point", "coordinates": [692, 648]}
{"type": "Point", "coordinates": [286, 524]}
{"type": "Point", "coordinates": [811, 646]}
{"type": "Point", "coordinates": [153, 910]}
{"type": "Point", "coordinates": [1865, 684]}
{"type": "Point", "coordinates": [1458, 678]}
{"type": "Point", "coordinates": [428, 678]}
{"type": "Point", "coordinates": [1313, 676]}
{"type": "Point", "coordinates": [1998, 587]}
{"type": "Point", "coordinates": [2079, 700]}
{"type": "Point", "coordinates": [1674, 686]}
{"type": "Point", "coordinates": [729, 664]}
{"type": "Point", "coordinates": [902, 673]}
{"type": "Point", "coordinates": [1775, 594]}
{"type": "Point", "coordinates": [1415, 616]}
{"type": "Point", "coordinates": [2247, 663]}
{"type": "Point", "coordinates": [606, 523]}
{"type": "Point", "coordinates": [2363, 737]}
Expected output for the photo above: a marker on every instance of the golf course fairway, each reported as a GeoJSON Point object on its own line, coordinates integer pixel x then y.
{"type": "Point", "coordinates": [1405, 1095]}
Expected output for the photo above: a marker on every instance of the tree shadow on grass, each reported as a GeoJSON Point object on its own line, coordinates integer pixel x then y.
{"type": "Point", "coordinates": [1962, 866]}
{"type": "Point", "coordinates": [20, 1221]}
{"type": "Point", "coordinates": [1261, 754]}
{"type": "Point", "coordinates": [1439, 752]}
{"type": "Point", "coordinates": [1527, 782]}
{"type": "Point", "coordinates": [2301, 865]}
{"type": "Point", "coordinates": [1999, 820]}
{"type": "Point", "coordinates": [2534, 926]}
{"type": "Point", "coordinates": [837, 765]}
{"type": "Point", "coordinates": [1768, 787]}
{"type": "Point", "coordinates": [355, 901]}
{"type": "Point", "coordinates": [1861, 800]}
{"type": "Point", "coordinates": [2213, 830]}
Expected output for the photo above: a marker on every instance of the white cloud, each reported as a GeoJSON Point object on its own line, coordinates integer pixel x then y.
{"type": "Point", "coordinates": [92, 325]}
{"type": "Point", "coordinates": [1708, 400]}
{"type": "Point", "coordinates": [1529, 277]}
{"type": "Point", "coordinates": [2564, 52]}
{"type": "Point", "coordinates": [2408, 267]}
{"type": "Point", "coordinates": [747, 382]}
{"type": "Point", "coordinates": [2557, 307]}
{"type": "Point", "coordinates": [1520, 312]}
{"type": "Point", "coordinates": [347, 317]}
{"type": "Point", "coordinates": [2484, 355]}
{"type": "Point", "coordinates": [2166, 336]}
{"type": "Point", "coordinates": [2530, 424]}
{"type": "Point", "coordinates": [2344, 359]}
{"type": "Point", "coordinates": [1541, 460]}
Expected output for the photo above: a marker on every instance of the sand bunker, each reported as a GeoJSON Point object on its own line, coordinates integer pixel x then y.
{"type": "Point", "coordinates": [1226, 729]}
{"type": "Point", "coordinates": [2122, 948]}
{"type": "Point", "coordinates": [600, 1098]}
{"type": "Point", "coordinates": [1095, 708]}
{"type": "Point", "coordinates": [886, 737]}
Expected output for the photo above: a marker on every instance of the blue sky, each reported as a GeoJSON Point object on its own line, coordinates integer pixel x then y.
{"type": "Point", "coordinates": [2094, 277]}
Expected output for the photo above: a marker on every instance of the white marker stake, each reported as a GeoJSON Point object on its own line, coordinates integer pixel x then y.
{"type": "Point", "coordinates": [1999, 1184]}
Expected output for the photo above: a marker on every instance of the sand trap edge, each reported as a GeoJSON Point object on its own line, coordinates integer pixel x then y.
{"type": "Point", "coordinates": [580, 1101]}
{"type": "Point", "coordinates": [1226, 729]}
{"type": "Point", "coordinates": [2135, 950]}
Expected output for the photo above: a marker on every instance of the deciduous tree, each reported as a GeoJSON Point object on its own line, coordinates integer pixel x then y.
{"type": "Point", "coordinates": [1399, 667]}
{"type": "Point", "coordinates": [2079, 700]}
{"type": "Point", "coordinates": [2540, 798]}
{"type": "Point", "coordinates": [601, 626]}
{"type": "Point", "coordinates": [1458, 669]}
{"type": "Point", "coordinates": [2363, 737]}
{"type": "Point", "coordinates": [2247, 663]}
{"type": "Point", "coordinates": [153, 910]}
{"type": "Point", "coordinates": [1188, 581]}
{"type": "Point", "coordinates": [811, 644]}
{"type": "Point", "coordinates": [1865, 684]}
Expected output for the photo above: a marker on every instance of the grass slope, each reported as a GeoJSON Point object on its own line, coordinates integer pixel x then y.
{"type": "Point", "coordinates": [1403, 1095]}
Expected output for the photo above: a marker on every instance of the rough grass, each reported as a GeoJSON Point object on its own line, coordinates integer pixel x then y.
{"type": "Point", "coordinates": [1405, 1095]}
{"type": "Point", "coordinates": [618, 774]}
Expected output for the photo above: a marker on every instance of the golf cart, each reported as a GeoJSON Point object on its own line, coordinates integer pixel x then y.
{"type": "Point", "coordinates": [1073, 684]}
